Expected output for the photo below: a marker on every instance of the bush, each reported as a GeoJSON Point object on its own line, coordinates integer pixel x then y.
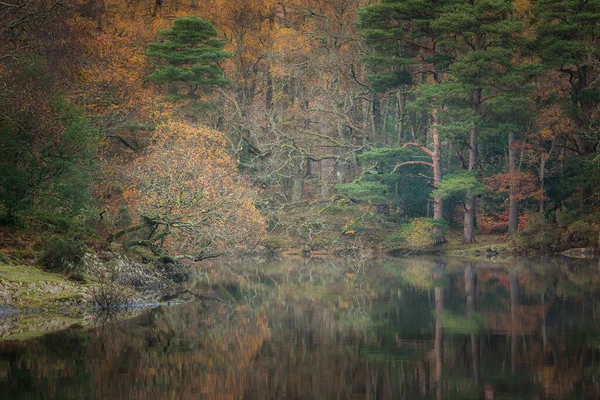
{"type": "Point", "coordinates": [62, 224]}
{"type": "Point", "coordinates": [4, 259]}
{"type": "Point", "coordinates": [63, 254]}
{"type": "Point", "coordinates": [564, 218]}
{"type": "Point", "coordinates": [537, 235]}
{"type": "Point", "coordinates": [419, 232]}
{"type": "Point", "coordinates": [579, 234]}
{"type": "Point", "coordinates": [111, 296]}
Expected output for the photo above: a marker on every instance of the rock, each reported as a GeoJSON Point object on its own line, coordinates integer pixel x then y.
{"type": "Point", "coordinates": [582, 252]}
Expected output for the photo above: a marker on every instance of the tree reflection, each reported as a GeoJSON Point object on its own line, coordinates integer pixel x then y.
{"type": "Point", "coordinates": [414, 328]}
{"type": "Point", "coordinates": [438, 273]}
{"type": "Point", "coordinates": [471, 298]}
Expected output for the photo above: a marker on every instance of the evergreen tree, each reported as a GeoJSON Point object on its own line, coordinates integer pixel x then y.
{"type": "Point", "coordinates": [566, 40]}
{"type": "Point", "coordinates": [459, 56]}
{"type": "Point", "coordinates": [481, 38]}
{"type": "Point", "coordinates": [404, 195]}
{"type": "Point", "coordinates": [192, 56]}
{"type": "Point", "coordinates": [407, 52]}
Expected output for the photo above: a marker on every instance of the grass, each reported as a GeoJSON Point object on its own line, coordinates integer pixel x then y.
{"type": "Point", "coordinates": [454, 246]}
{"type": "Point", "coordinates": [40, 297]}
{"type": "Point", "coordinates": [25, 274]}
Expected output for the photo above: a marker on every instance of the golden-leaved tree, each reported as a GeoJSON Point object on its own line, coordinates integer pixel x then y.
{"type": "Point", "coordinates": [191, 200]}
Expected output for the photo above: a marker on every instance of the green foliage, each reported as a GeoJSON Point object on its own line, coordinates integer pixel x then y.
{"type": "Point", "coordinates": [192, 57]}
{"type": "Point", "coordinates": [382, 82]}
{"type": "Point", "coordinates": [538, 234]}
{"type": "Point", "coordinates": [579, 234]}
{"type": "Point", "coordinates": [62, 224]}
{"type": "Point", "coordinates": [405, 190]}
{"type": "Point", "coordinates": [63, 254]}
{"type": "Point", "coordinates": [564, 218]}
{"type": "Point", "coordinates": [563, 30]}
{"type": "Point", "coordinates": [419, 232]}
{"type": "Point", "coordinates": [364, 192]}
{"type": "Point", "coordinates": [48, 169]}
{"type": "Point", "coordinates": [460, 182]}
{"type": "Point", "coordinates": [395, 49]}
{"type": "Point", "coordinates": [4, 259]}
{"type": "Point", "coordinates": [274, 242]}
{"type": "Point", "coordinates": [566, 40]}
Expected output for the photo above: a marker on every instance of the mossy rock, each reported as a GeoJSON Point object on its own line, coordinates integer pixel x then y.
{"type": "Point", "coordinates": [582, 252]}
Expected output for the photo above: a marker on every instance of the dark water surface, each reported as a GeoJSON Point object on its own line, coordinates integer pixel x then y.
{"type": "Point", "coordinates": [410, 328]}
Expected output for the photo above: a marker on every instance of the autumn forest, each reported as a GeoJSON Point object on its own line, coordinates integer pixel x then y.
{"type": "Point", "coordinates": [190, 129]}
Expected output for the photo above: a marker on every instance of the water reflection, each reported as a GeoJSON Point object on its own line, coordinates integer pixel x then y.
{"type": "Point", "coordinates": [413, 328]}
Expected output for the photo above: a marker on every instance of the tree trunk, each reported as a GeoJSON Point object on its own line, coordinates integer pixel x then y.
{"type": "Point", "coordinates": [513, 206]}
{"type": "Point", "coordinates": [298, 182]}
{"type": "Point", "coordinates": [400, 117]}
{"type": "Point", "coordinates": [269, 91]}
{"type": "Point", "coordinates": [469, 220]}
{"type": "Point", "coordinates": [326, 178]}
{"type": "Point", "coordinates": [436, 160]}
{"type": "Point", "coordinates": [542, 177]}
{"type": "Point", "coordinates": [375, 115]}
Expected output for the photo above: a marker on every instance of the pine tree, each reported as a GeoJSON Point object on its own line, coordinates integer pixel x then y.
{"type": "Point", "coordinates": [566, 40]}
{"type": "Point", "coordinates": [192, 56]}
{"type": "Point", "coordinates": [407, 53]}
{"type": "Point", "coordinates": [481, 38]}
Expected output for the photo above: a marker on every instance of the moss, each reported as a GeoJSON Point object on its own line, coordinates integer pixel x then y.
{"type": "Point", "coordinates": [339, 209]}
{"type": "Point", "coordinates": [141, 253]}
{"type": "Point", "coordinates": [275, 242]}
{"type": "Point", "coordinates": [24, 274]}
{"type": "Point", "coordinates": [487, 245]}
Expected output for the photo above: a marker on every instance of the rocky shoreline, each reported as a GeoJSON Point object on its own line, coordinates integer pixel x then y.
{"type": "Point", "coordinates": [33, 300]}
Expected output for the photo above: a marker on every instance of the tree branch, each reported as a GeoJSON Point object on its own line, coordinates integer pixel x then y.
{"type": "Point", "coordinates": [129, 229]}
{"type": "Point", "coordinates": [420, 146]}
{"type": "Point", "coordinates": [428, 164]}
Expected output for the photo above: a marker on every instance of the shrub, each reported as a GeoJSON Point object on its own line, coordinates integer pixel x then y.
{"type": "Point", "coordinates": [419, 232]}
{"type": "Point", "coordinates": [564, 218]}
{"type": "Point", "coordinates": [537, 235]}
{"type": "Point", "coordinates": [62, 224]}
{"type": "Point", "coordinates": [4, 259]}
{"type": "Point", "coordinates": [579, 234]}
{"type": "Point", "coordinates": [63, 254]}
{"type": "Point", "coordinates": [111, 296]}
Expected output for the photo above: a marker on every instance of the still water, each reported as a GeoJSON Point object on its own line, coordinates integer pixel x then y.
{"type": "Point", "coordinates": [409, 328]}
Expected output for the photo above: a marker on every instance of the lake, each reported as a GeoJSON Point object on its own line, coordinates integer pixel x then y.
{"type": "Point", "coordinates": [414, 328]}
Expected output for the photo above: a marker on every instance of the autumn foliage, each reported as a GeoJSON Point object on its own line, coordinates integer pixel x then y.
{"type": "Point", "coordinates": [295, 95]}
{"type": "Point", "coordinates": [188, 190]}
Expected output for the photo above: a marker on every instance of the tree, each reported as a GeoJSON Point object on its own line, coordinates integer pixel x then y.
{"type": "Point", "coordinates": [190, 198]}
{"type": "Point", "coordinates": [567, 41]}
{"type": "Point", "coordinates": [408, 53]}
{"type": "Point", "coordinates": [403, 194]}
{"type": "Point", "coordinates": [46, 163]}
{"type": "Point", "coordinates": [481, 37]}
{"type": "Point", "coordinates": [47, 145]}
{"type": "Point", "coordinates": [192, 55]}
